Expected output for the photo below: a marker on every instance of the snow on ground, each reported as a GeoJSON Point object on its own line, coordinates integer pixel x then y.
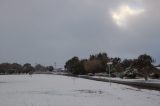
{"type": "Point", "coordinates": [155, 81]}
{"type": "Point", "coordinates": [56, 90]}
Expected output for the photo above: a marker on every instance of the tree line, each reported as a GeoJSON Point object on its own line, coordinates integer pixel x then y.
{"type": "Point", "coordinates": [142, 66]}
{"type": "Point", "coordinates": [15, 68]}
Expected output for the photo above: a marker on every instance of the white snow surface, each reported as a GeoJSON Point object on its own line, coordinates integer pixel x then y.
{"type": "Point", "coordinates": [56, 90]}
{"type": "Point", "coordinates": [155, 81]}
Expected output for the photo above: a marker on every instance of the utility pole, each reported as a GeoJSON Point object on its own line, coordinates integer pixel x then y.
{"type": "Point", "coordinates": [109, 66]}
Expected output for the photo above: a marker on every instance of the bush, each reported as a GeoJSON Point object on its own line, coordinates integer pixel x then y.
{"type": "Point", "coordinates": [121, 76]}
{"type": "Point", "coordinates": [113, 75]}
{"type": "Point", "coordinates": [131, 75]}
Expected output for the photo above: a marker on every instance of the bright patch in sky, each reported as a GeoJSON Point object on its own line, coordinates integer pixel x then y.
{"type": "Point", "coordinates": [121, 15]}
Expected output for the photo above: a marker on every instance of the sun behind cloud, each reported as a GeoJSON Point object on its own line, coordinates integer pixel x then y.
{"type": "Point", "coordinates": [122, 14]}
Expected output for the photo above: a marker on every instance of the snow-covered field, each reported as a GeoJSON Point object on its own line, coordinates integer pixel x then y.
{"type": "Point", "coordinates": [55, 90]}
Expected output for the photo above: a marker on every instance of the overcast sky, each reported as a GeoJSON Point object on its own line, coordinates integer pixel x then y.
{"type": "Point", "coordinates": [48, 31]}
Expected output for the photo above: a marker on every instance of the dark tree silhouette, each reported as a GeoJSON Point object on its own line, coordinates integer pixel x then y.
{"type": "Point", "coordinates": [144, 65]}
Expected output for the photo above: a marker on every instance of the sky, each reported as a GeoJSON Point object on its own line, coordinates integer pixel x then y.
{"type": "Point", "coordinates": [49, 31]}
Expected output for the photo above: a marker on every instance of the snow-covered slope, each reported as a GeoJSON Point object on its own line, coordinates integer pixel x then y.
{"type": "Point", "coordinates": [55, 90]}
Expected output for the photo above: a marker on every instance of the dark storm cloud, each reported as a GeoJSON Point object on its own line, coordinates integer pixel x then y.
{"type": "Point", "coordinates": [45, 31]}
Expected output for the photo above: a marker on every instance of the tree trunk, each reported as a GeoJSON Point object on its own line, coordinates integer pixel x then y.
{"type": "Point", "coordinates": [146, 77]}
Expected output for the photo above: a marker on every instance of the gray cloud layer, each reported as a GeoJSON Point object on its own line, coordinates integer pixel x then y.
{"type": "Point", "coordinates": [45, 31]}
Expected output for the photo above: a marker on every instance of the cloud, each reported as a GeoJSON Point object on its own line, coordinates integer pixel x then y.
{"type": "Point", "coordinates": [121, 15]}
